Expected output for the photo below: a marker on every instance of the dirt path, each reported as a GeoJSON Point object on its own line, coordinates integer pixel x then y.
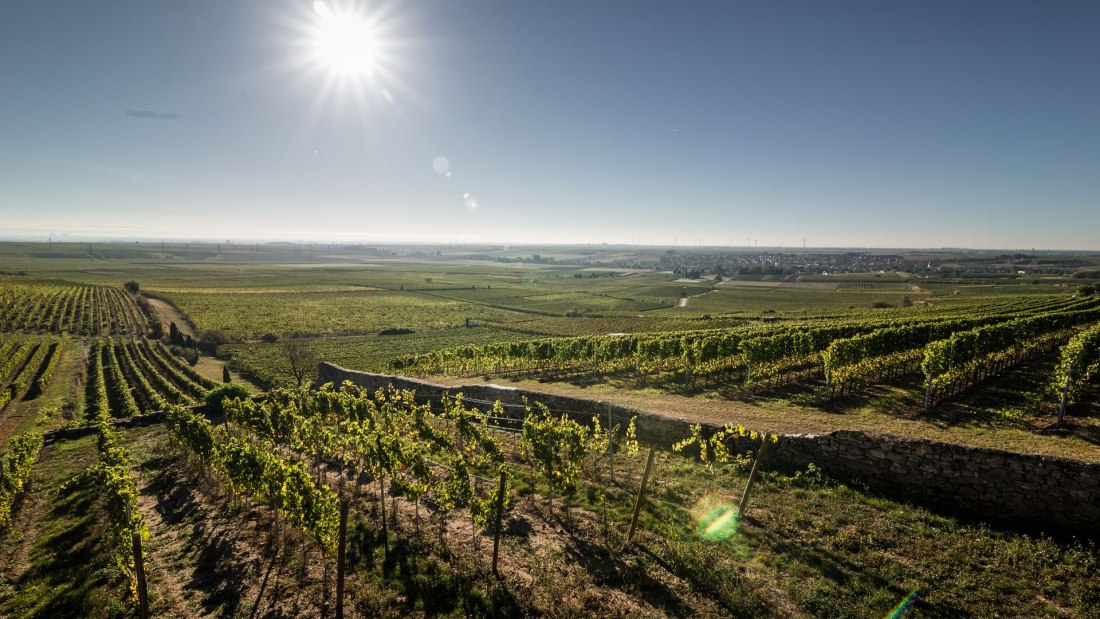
{"type": "Point", "coordinates": [169, 314]}
{"type": "Point", "coordinates": [684, 300]}
{"type": "Point", "coordinates": [26, 528]}
{"type": "Point", "coordinates": [205, 559]}
{"type": "Point", "coordinates": [783, 416]}
{"type": "Point", "coordinates": [209, 367]}
{"type": "Point", "coordinates": [162, 570]}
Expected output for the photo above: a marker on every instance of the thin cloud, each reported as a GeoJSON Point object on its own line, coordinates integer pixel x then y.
{"type": "Point", "coordinates": [151, 115]}
{"type": "Point", "coordinates": [97, 167]}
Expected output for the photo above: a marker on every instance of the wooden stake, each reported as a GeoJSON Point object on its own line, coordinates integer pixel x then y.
{"type": "Point", "coordinates": [139, 570]}
{"type": "Point", "coordinates": [1065, 395]}
{"type": "Point", "coordinates": [752, 476]}
{"type": "Point", "coordinates": [641, 496]}
{"type": "Point", "coordinates": [340, 549]}
{"type": "Point", "coordinates": [382, 501]}
{"type": "Point", "coordinates": [499, 519]}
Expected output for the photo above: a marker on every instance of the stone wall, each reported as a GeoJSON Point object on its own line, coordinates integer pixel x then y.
{"type": "Point", "coordinates": [1024, 491]}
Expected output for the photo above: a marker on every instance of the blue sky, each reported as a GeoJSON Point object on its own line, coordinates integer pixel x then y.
{"type": "Point", "coordinates": [880, 124]}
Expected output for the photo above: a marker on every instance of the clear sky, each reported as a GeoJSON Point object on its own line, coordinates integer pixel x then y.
{"type": "Point", "coordinates": [878, 123]}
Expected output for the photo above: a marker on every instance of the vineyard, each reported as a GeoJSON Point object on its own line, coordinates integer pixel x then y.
{"type": "Point", "coordinates": [336, 501]}
{"type": "Point", "coordinates": [476, 500]}
{"type": "Point", "coordinates": [956, 350]}
{"type": "Point", "coordinates": [28, 364]}
{"type": "Point", "coordinates": [70, 308]}
{"type": "Point", "coordinates": [130, 376]}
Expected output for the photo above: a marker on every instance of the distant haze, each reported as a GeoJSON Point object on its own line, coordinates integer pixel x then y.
{"type": "Point", "coordinates": [840, 124]}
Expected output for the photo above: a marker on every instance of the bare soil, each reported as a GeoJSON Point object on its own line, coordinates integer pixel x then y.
{"type": "Point", "coordinates": [169, 314]}
{"type": "Point", "coordinates": [208, 558]}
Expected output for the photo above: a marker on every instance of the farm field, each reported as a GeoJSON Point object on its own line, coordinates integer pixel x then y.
{"type": "Point", "coordinates": [237, 504]}
{"type": "Point", "coordinates": [338, 309]}
{"type": "Point", "coordinates": [335, 301]}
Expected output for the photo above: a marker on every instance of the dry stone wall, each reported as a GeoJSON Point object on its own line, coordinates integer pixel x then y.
{"type": "Point", "coordinates": [1023, 491]}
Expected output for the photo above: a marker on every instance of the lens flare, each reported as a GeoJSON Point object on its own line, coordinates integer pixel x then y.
{"type": "Point", "coordinates": [899, 610]}
{"type": "Point", "coordinates": [717, 520]}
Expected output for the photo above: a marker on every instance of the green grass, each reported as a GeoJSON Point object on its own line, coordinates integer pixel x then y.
{"type": "Point", "coordinates": [249, 316]}
{"type": "Point", "coordinates": [835, 551]}
{"type": "Point", "coordinates": [811, 547]}
{"type": "Point", "coordinates": [269, 363]}
{"type": "Point", "coordinates": [67, 569]}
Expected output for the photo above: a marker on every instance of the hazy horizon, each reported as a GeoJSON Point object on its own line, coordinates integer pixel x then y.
{"type": "Point", "coordinates": [724, 124]}
{"type": "Point", "coordinates": [334, 241]}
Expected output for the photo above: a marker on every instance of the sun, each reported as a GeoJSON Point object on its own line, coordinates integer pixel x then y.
{"type": "Point", "coordinates": [351, 55]}
{"type": "Point", "coordinates": [343, 42]}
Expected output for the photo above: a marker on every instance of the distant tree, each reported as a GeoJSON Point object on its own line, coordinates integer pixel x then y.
{"type": "Point", "coordinates": [269, 338]}
{"type": "Point", "coordinates": [174, 335]}
{"type": "Point", "coordinates": [301, 358]}
{"type": "Point", "coordinates": [1087, 290]}
{"type": "Point", "coordinates": [188, 341]}
{"type": "Point", "coordinates": [226, 378]}
{"type": "Point", "coordinates": [211, 339]}
{"type": "Point", "coordinates": [132, 286]}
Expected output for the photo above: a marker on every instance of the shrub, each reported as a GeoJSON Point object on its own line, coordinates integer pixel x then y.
{"type": "Point", "coordinates": [187, 354]}
{"type": "Point", "coordinates": [269, 338]}
{"type": "Point", "coordinates": [212, 338]}
{"type": "Point", "coordinates": [216, 397]}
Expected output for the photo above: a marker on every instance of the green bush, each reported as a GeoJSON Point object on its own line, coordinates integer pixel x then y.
{"type": "Point", "coordinates": [218, 395]}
